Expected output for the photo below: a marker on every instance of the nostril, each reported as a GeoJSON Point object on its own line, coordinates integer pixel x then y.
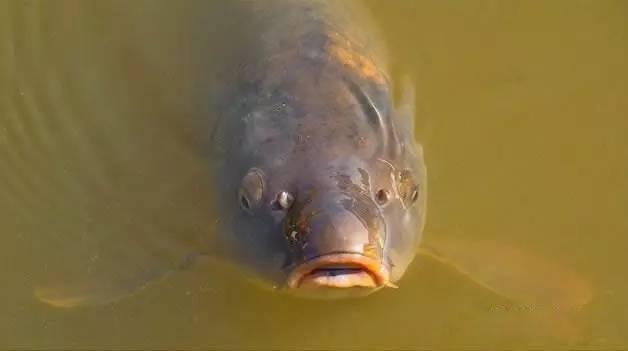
{"type": "Point", "coordinates": [284, 200]}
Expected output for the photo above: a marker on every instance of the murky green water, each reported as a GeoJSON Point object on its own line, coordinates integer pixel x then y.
{"type": "Point", "coordinates": [521, 107]}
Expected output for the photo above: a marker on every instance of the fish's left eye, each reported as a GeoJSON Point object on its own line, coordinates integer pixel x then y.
{"type": "Point", "coordinates": [251, 190]}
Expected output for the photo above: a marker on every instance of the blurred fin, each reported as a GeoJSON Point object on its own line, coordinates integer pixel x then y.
{"type": "Point", "coordinates": [103, 289]}
{"type": "Point", "coordinates": [406, 109]}
{"type": "Point", "coordinates": [549, 292]}
{"type": "Point", "coordinates": [513, 273]}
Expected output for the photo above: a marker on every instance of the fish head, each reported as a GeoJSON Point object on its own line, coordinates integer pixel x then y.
{"type": "Point", "coordinates": [324, 182]}
{"type": "Point", "coordinates": [330, 227]}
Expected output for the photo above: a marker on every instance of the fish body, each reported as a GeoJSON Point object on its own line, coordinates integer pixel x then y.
{"type": "Point", "coordinates": [322, 184]}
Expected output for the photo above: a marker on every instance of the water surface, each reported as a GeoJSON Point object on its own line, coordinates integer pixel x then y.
{"type": "Point", "coordinates": [520, 106]}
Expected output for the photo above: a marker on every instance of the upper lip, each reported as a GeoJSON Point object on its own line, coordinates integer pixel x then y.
{"type": "Point", "coordinates": [378, 272]}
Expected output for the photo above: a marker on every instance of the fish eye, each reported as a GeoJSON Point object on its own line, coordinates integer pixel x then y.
{"type": "Point", "coordinates": [251, 190]}
{"type": "Point", "coordinates": [284, 200]}
{"type": "Point", "coordinates": [382, 196]}
{"type": "Point", "coordinates": [244, 202]}
{"type": "Point", "coordinates": [415, 194]}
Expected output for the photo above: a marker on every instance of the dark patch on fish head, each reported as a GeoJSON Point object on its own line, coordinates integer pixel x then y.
{"type": "Point", "coordinates": [328, 222]}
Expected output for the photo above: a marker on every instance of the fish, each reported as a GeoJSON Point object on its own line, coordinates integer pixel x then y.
{"type": "Point", "coordinates": [321, 185]}
{"type": "Point", "coordinates": [320, 182]}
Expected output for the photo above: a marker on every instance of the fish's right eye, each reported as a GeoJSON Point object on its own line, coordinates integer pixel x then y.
{"type": "Point", "coordinates": [245, 203]}
{"type": "Point", "coordinates": [251, 190]}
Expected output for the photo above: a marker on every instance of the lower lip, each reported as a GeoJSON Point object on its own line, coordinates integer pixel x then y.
{"type": "Point", "coordinates": [353, 270]}
{"type": "Point", "coordinates": [342, 278]}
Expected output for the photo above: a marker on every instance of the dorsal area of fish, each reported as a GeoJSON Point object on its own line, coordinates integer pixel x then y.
{"type": "Point", "coordinates": [311, 83]}
{"type": "Point", "coordinates": [309, 116]}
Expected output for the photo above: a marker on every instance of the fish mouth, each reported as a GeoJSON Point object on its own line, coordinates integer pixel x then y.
{"type": "Point", "coordinates": [343, 270]}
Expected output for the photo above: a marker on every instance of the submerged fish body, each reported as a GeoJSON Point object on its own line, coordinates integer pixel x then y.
{"type": "Point", "coordinates": [322, 185]}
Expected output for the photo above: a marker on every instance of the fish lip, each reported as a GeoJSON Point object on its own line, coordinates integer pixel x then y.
{"type": "Point", "coordinates": [376, 270]}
